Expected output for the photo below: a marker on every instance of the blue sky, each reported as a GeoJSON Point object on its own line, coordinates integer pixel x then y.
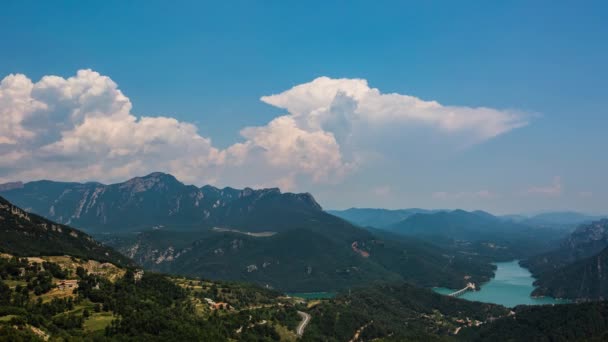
{"type": "Point", "coordinates": [208, 64]}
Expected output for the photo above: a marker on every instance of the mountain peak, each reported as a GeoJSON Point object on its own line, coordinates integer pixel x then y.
{"type": "Point", "coordinates": [153, 180]}
{"type": "Point", "coordinates": [11, 186]}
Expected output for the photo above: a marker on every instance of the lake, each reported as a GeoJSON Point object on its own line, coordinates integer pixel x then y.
{"type": "Point", "coordinates": [511, 286]}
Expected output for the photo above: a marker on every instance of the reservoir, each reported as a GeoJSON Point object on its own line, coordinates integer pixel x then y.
{"type": "Point", "coordinates": [511, 286]}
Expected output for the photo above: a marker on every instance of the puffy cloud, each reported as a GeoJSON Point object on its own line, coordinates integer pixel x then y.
{"type": "Point", "coordinates": [15, 107]}
{"type": "Point", "coordinates": [336, 104]}
{"type": "Point", "coordinates": [284, 145]}
{"type": "Point", "coordinates": [82, 128]}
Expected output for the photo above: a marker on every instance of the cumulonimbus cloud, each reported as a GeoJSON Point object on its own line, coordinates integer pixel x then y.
{"type": "Point", "coordinates": [82, 128]}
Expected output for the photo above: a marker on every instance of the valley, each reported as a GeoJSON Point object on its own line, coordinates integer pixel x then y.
{"type": "Point", "coordinates": [260, 264]}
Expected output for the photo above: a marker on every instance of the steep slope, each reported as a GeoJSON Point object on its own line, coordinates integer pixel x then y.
{"type": "Point", "coordinates": [301, 259]}
{"type": "Point", "coordinates": [26, 234]}
{"type": "Point", "coordinates": [378, 218]}
{"type": "Point", "coordinates": [585, 279]}
{"type": "Point", "coordinates": [586, 241]}
{"type": "Point", "coordinates": [479, 233]}
{"type": "Point", "coordinates": [159, 200]}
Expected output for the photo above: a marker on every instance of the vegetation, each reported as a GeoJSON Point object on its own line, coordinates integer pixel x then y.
{"type": "Point", "coordinates": [311, 250]}
{"type": "Point", "coordinates": [149, 306]}
{"type": "Point", "coordinates": [26, 234]}
{"type": "Point", "coordinates": [159, 200]}
{"type": "Point", "coordinates": [585, 279]}
{"type": "Point", "coordinates": [402, 312]}
{"type": "Point", "coordinates": [567, 322]}
{"type": "Point", "coordinates": [478, 233]}
{"type": "Point", "coordinates": [377, 218]}
{"type": "Point", "coordinates": [304, 259]}
{"type": "Point", "coordinates": [577, 269]}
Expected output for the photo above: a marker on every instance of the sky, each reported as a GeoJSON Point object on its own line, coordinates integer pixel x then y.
{"type": "Point", "coordinates": [499, 106]}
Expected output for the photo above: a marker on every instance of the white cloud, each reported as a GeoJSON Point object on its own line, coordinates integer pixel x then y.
{"type": "Point", "coordinates": [552, 190]}
{"type": "Point", "coordinates": [585, 194]}
{"type": "Point", "coordinates": [336, 105]}
{"type": "Point", "coordinates": [481, 194]}
{"type": "Point", "coordinates": [382, 191]}
{"type": "Point", "coordinates": [82, 128]}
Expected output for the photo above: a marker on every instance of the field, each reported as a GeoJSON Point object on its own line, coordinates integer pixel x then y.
{"type": "Point", "coordinates": [98, 321]}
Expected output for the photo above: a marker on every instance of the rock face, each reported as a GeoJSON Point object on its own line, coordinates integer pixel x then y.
{"type": "Point", "coordinates": [25, 234]}
{"type": "Point", "coordinates": [586, 241]}
{"type": "Point", "coordinates": [589, 235]}
{"type": "Point", "coordinates": [586, 279]}
{"type": "Point", "coordinates": [158, 201]}
{"type": "Point", "coordinates": [579, 268]}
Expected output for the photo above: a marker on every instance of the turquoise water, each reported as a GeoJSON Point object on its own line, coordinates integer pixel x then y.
{"type": "Point", "coordinates": [511, 286]}
{"type": "Point", "coordinates": [314, 295]}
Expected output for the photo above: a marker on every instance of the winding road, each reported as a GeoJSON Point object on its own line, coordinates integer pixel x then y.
{"type": "Point", "coordinates": [305, 320]}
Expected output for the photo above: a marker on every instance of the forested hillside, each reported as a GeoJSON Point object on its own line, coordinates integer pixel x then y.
{"type": "Point", "coordinates": [302, 260]}
{"type": "Point", "coordinates": [26, 234]}
{"type": "Point", "coordinates": [565, 322]}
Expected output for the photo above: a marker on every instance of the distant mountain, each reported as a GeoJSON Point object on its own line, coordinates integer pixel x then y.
{"type": "Point", "coordinates": [159, 200]}
{"type": "Point", "coordinates": [11, 186]}
{"type": "Point", "coordinates": [562, 218]}
{"type": "Point", "coordinates": [478, 232]}
{"type": "Point", "coordinates": [25, 234]}
{"type": "Point", "coordinates": [378, 218]}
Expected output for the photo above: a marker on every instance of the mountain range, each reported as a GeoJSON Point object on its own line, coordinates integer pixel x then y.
{"type": "Point", "coordinates": [312, 253]}
{"type": "Point", "coordinates": [376, 217]}
{"type": "Point", "coordinates": [282, 240]}
{"type": "Point", "coordinates": [383, 218]}
{"type": "Point", "coordinates": [478, 233]}
{"type": "Point", "coordinates": [158, 200]}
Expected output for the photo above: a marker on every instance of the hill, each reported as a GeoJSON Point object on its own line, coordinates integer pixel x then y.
{"type": "Point", "coordinates": [585, 279]}
{"type": "Point", "coordinates": [26, 234]}
{"type": "Point", "coordinates": [302, 259]}
{"type": "Point", "coordinates": [400, 312]}
{"type": "Point", "coordinates": [479, 233]}
{"type": "Point", "coordinates": [562, 218]}
{"type": "Point", "coordinates": [378, 218]}
{"type": "Point", "coordinates": [565, 322]}
{"type": "Point", "coordinates": [57, 298]}
{"type": "Point", "coordinates": [586, 241]}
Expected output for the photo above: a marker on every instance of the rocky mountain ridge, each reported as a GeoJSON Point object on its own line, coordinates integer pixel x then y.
{"type": "Point", "coordinates": [152, 201]}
